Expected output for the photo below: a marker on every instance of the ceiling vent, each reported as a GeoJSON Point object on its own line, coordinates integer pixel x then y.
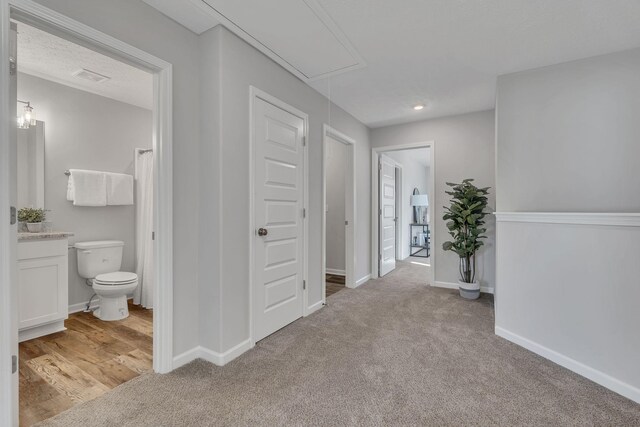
{"type": "Point", "coordinates": [92, 76]}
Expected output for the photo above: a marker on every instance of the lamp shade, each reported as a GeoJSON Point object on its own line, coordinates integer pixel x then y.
{"type": "Point", "coordinates": [419, 200]}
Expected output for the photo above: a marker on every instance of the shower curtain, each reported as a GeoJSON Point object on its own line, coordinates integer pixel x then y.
{"type": "Point", "coordinates": [143, 294]}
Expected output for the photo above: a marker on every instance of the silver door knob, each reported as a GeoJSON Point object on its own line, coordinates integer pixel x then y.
{"type": "Point", "coordinates": [262, 232]}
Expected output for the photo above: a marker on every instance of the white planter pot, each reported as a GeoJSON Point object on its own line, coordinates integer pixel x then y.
{"type": "Point", "coordinates": [34, 227]}
{"type": "Point", "coordinates": [469, 290]}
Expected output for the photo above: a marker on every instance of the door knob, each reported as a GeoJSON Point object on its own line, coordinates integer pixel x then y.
{"type": "Point", "coordinates": [262, 232]}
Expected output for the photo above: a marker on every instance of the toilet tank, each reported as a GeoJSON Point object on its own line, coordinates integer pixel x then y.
{"type": "Point", "coordinates": [99, 257]}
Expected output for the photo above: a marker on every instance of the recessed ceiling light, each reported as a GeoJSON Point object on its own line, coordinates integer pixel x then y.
{"type": "Point", "coordinates": [418, 107]}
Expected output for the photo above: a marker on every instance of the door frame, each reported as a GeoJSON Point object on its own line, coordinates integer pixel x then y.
{"type": "Point", "coordinates": [350, 208]}
{"type": "Point", "coordinates": [255, 93]}
{"type": "Point", "coordinates": [36, 14]}
{"type": "Point", "coordinates": [375, 244]}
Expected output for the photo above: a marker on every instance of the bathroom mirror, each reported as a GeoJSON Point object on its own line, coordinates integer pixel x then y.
{"type": "Point", "coordinates": [30, 166]}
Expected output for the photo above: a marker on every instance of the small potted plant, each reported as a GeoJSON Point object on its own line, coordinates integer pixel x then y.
{"type": "Point", "coordinates": [33, 217]}
{"type": "Point", "coordinates": [465, 221]}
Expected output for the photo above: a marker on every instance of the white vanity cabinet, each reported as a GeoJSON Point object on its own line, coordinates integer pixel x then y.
{"type": "Point", "coordinates": [42, 286]}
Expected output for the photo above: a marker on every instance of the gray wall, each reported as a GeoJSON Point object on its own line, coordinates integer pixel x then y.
{"type": "Point", "coordinates": [568, 136]}
{"type": "Point", "coordinates": [336, 157]}
{"type": "Point", "coordinates": [414, 175]}
{"type": "Point", "coordinates": [238, 65]}
{"type": "Point", "coordinates": [568, 141]}
{"type": "Point", "coordinates": [86, 131]}
{"type": "Point", "coordinates": [464, 148]}
{"type": "Point", "coordinates": [140, 25]}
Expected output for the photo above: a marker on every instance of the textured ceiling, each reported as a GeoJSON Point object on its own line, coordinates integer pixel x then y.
{"type": "Point", "coordinates": [52, 58]}
{"type": "Point", "coordinates": [448, 53]}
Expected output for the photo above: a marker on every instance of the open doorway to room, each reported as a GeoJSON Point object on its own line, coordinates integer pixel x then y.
{"type": "Point", "coordinates": [82, 276]}
{"type": "Point", "coordinates": [402, 209]}
{"type": "Point", "coordinates": [339, 211]}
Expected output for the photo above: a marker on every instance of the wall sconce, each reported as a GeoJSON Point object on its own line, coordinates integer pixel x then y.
{"type": "Point", "coordinates": [28, 117]}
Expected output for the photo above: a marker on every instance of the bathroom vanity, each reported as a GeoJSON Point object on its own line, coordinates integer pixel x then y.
{"type": "Point", "coordinates": [42, 283]}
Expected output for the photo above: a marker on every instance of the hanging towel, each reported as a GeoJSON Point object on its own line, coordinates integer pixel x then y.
{"type": "Point", "coordinates": [87, 188]}
{"type": "Point", "coordinates": [119, 189]}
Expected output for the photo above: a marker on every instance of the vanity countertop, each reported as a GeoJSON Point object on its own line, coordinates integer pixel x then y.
{"type": "Point", "coordinates": [44, 235]}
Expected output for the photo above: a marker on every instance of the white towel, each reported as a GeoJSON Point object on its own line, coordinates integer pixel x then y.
{"type": "Point", "coordinates": [87, 188]}
{"type": "Point", "coordinates": [119, 189]}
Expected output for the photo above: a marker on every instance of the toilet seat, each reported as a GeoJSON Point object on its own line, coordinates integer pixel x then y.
{"type": "Point", "coordinates": [117, 278]}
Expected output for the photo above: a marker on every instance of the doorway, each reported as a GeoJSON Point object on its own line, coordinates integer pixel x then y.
{"type": "Point", "coordinates": [48, 21]}
{"type": "Point", "coordinates": [338, 216]}
{"type": "Point", "coordinates": [403, 182]}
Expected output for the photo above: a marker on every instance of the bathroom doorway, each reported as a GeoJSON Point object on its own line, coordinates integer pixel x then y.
{"type": "Point", "coordinates": [91, 130]}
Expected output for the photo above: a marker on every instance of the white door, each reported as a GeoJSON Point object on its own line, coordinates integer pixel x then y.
{"type": "Point", "coordinates": [387, 220]}
{"type": "Point", "coordinates": [8, 253]}
{"type": "Point", "coordinates": [278, 138]}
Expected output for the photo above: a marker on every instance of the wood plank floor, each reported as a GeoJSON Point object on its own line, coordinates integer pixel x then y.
{"type": "Point", "coordinates": [91, 357]}
{"type": "Point", "coordinates": [335, 284]}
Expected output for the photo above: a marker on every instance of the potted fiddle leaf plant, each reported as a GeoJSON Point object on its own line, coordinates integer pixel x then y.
{"type": "Point", "coordinates": [33, 217]}
{"type": "Point", "coordinates": [465, 218]}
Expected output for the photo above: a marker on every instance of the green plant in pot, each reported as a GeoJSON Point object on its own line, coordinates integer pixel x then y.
{"type": "Point", "coordinates": [465, 222]}
{"type": "Point", "coordinates": [33, 217]}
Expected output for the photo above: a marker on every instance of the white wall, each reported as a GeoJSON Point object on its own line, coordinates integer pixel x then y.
{"type": "Point", "coordinates": [567, 140]}
{"type": "Point", "coordinates": [238, 66]}
{"type": "Point", "coordinates": [464, 148]}
{"type": "Point", "coordinates": [336, 168]}
{"type": "Point", "coordinates": [414, 175]}
{"type": "Point", "coordinates": [142, 26]}
{"type": "Point", "coordinates": [86, 131]}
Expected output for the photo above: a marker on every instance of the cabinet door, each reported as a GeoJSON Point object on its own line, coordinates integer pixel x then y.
{"type": "Point", "coordinates": [42, 291]}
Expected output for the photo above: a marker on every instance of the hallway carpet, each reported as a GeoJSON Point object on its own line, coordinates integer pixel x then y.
{"type": "Point", "coordinates": [392, 352]}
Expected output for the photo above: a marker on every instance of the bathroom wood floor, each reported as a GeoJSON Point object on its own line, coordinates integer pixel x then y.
{"type": "Point", "coordinates": [335, 284]}
{"type": "Point", "coordinates": [91, 357]}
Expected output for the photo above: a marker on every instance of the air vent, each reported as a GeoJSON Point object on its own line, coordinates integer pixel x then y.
{"type": "Point", "coordinates": [92, 76]}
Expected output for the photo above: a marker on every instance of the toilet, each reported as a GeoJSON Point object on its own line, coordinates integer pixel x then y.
{"type": "Point", "coordinates": [99, 262]}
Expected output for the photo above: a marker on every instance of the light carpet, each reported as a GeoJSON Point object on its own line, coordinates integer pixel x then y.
{"type": "Point", "coordinates": [392, 352]}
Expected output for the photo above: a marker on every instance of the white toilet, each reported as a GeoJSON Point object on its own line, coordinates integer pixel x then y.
{"type": "Point", "coordinates": [100, 263]}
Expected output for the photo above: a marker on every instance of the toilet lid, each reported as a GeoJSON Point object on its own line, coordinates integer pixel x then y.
{"type": "Point", "coordinates": [118, 277]}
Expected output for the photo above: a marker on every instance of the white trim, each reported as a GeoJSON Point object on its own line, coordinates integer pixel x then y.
{"type": "Point", "coordinates": [254, 93]}
{"type": "Point", "coordinates": [614, 384]}
{"type": "Point", "coordinates": [335, 272]}
{"type": "Point", "coordinates": [77, 308]}
{"type": "Point", "coordinates": [363, 280]}
{"type": "Point", "coordinates": [375, 154]}
{"type": "Point", "coordinates": [219, 359]}
{"type": "Point", "coordinates": [451, 285]}
{"type": "Point", "coordinates": [8, 241]}
{"type": "Point", "coordinates": [350, 210]}
{"type": "Point", "coordinates": [322, 16]}
{"type": "Point", "coordinates": [577, 218]}
{"type": "Point", "coordinates": [186, 357]}
{"type": "Point", "coordinates": [163, 190]}
{"type": "Point", "coordinates": [315, 307]}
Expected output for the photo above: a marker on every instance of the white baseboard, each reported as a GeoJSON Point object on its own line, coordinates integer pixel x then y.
{"type": "Point", "coordinates": [594, 375]}
{"type": "Point", "coordinates": [363, 280]}
{"type": "Point", "coordinates": [335, 272]}
{"type": "Point", "coordinates": [214, 357]}
{"type": "Point", "coordinates": [186, 357]}
{"type": "Point", "coordinates": [75, 308]}
{"type": "Point", "coordinates": [315, 307]}
{"type": "Point", "coordinates": [450, 285]}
